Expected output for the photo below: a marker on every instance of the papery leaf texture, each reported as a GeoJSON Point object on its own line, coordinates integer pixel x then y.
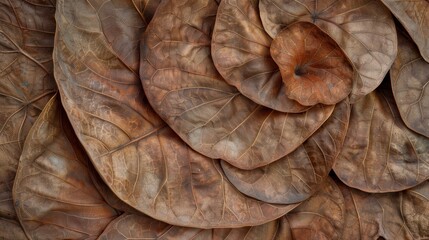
{"type": "Point", "coordinates": [240, 50]}
{"type": "Point", "coordinates": [364, 29]}
{"type": "Point", "coordinates": [299, 174]}
{"type": "Point", "coordinates": [26, 84]}
{"type": "Point", "coordinates": [140, 158]}
{"type": "Point", "coordinates": [182, 84]}
{"type": "Point", "coordinates": [410, 84]}
{"type": "Point", "coordinates": [53, 190]}
{"type": "Point", "coordinates": [414, 16]}
{"type": "Point", "coordinates": [380, 154]}
{"type": "Point", "coordinates": [415, 210]}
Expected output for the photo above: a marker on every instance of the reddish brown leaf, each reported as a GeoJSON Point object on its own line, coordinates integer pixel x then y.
{"type": "Point", "coordinates": [414, 16]}
{"type": "Point", "coordinates": [410, 80]}
{"type": "Point", "coordinates": [11, 229]}
{"type": "Point", "coordinates": [415, 209]}
{"type": "Point", "coordinates": [144, 163]}
{"type": "Point", "coordinates": [53, 192]}
{"type": "Point", "coordinates": [181, 82]}
{"type": "Point", "coordinates": [129, 226]}
{"type": "Point", "coordinates": [373, 215]}
{"type": "Point", "coordinates": [380, 154]}
{"type": "Point", "coordinates": [299, 174]}
{"type": "Point", "coordinates": [321, 216]}
{"type": "Point", "coordinates": [241, 54]}
{"type": "Point", "coordinates": [26, 83]}
{"type": "Point", "coordinates": [364, 29]}
{"type": "Point", "coordinates": [313, 67]}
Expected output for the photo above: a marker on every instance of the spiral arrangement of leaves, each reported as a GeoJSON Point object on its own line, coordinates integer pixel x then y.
{"type": "Point", "coordinates": [204, 119]}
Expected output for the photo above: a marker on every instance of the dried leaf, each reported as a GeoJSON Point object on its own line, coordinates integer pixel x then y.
{"type": "Point", "coordinates": [415, 210]}
{"type": "Point", "coordinates": [299, 174]}
{"type": "Point", "coordinates": [414, 16]}
{"type": "Point", "coordinates": [183, 86]}
{"type": "Point", "coordinates": [321, 216]}
{"type": "Point", "coordinates": [380, 154]}
{"type": "Point", "coordinates": [53, 192]}
{"type": "Point", "coordinates": [373, 215]}
{"type": "Point", "coordinates": [241, 54]}
{"type": "Point", "coordinates": [11, 229]}
{"type": "Point", "coordinates": [313, 67]}
{"type": "Point", "coordinates": [26, 83]}
{"type": "Point", "coordinates": [130, 226]}
{"type": "Point", "coordinates": [144, 163]}
{"type": "Point", "coordinates": [410, 80]}
{"type": "Point", "coordinates": [364, 29]}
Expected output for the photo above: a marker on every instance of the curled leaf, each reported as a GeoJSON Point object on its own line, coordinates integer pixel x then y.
{"type": "Point", "coordinates": [380, 154]}
{"type": "Point", "coordinates": [313, 67]}
{"type": "Point", "coordinates": [373, 215]}
{"type": "Point", "coordinates": [241, 53]}
{"type": "Point", "coordinates": [53, 191]}
{"type": "Point", "coordinates": [26, 82]}
{"type": "Point", "coordinates": [363, 29]}
{"type": "Point", "coordinates": [414, 16]}
{"type": "Point", "coordinates": [410, 85]}
{"type": "Point", "coordinates": [183, 86]}
{"type": "Point", "coordinates": [141, 159]}
{"type": "Point", "coordinates": [415, 209]}
{"type": "Point", "coordinates": [299, 174]}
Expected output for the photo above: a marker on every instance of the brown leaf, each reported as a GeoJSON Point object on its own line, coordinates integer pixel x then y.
{"type": "Point", "coordinates": [299, 174]}
{"type": "Point", "coordinates": [414, 16]}
{"type": "Point", "coordinates": [53, 192]}
{"type": "Point", "coordinates": [130, 226]}
{"type": "Point", "coordinates": [410, 80]}
{"type": "Point", "coordinates": [415, 209]}
{"type": "Point", "coordinates": [321, 216]}
{"type": "Point", "coordinates": [373, 215]}
{"type": "Point", "coordinates": [364, 29]}
{"type": "Point", "coordinates": [142, 160]}
{"type": "Point", "coordinates": [26, 82]}
{"type": "Point", "coordinates": [181, 82]}
{"type": "Point", "coordinates": [313, 67]}
{"type": "Point", "coordinates": [241, 54]}
{"type": "Point", "coordinates": [380, 154]}
{"type": "Point", "coordinates": [11, 229]}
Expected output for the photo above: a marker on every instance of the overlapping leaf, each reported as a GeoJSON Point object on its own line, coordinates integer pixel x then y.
{"type": "Point", "coordinates": [241, 54]}
{"type": "Point", "coordinates": [299, 174]}
{"type": "Point", "coordinates": [410, 85]}
{"type": "Point", "coordinates": [313, 67]}
{"type": "Point", "coordinates": [181, 82]}
{"type": "Point", "coordinates": [26, 83]}
{"type": "Point", "coordinates": [144, 163]}
{"type": "Point", "coordinates": [11, 229]}
{"type": "Point", "coordinates": [364, 29]}
{"type": "Point", "coordinates": [415, 210]}
{"type": "Point", "coordinates": [380, 154]}
{"type": "Point", "coordinates": [414, 16]}
{"type": "Point", "coordinates": [373, 216]}
{"type": "Point", "coordinates": [54, 194]}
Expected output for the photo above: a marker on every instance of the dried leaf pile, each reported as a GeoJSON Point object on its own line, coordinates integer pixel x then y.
{"type": "Point", "coordinates": [204, 119]}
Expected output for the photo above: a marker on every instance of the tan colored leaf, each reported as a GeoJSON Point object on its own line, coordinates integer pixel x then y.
{"type": "Point", "coordinates": [380, 154]}
{"type": "Point", "coordinates": [414, 16]}
{"type": "Point", "coordinates": [313, 67]}
{"type": "Point", "coordinates": [142, 160]}
{"type": "Point", "coordinates": [130, 226]}
{"type": "Point", "coordinates": [53, 191]}
{"type": "Point", "coordinates": [26, 82]}
{"type": "Point", "coordinates": [364, 29]}
{"type": "Point", "coordinates": [11, 229]}
{"type": "Point", "coordinates": [373, 215]}
{"type": "Point", "coordinates": [299, 174]}
{"type": "Point", "coordinates": [410, 80]}
{"type": "Point", "coordinates": [183, 86]}
{"type": "Point", "coordinates": [321, 216]}
{"type": "Point", "coordinates": [415, 209]}
{"type": "Point", "coordinates": [241, 54]}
